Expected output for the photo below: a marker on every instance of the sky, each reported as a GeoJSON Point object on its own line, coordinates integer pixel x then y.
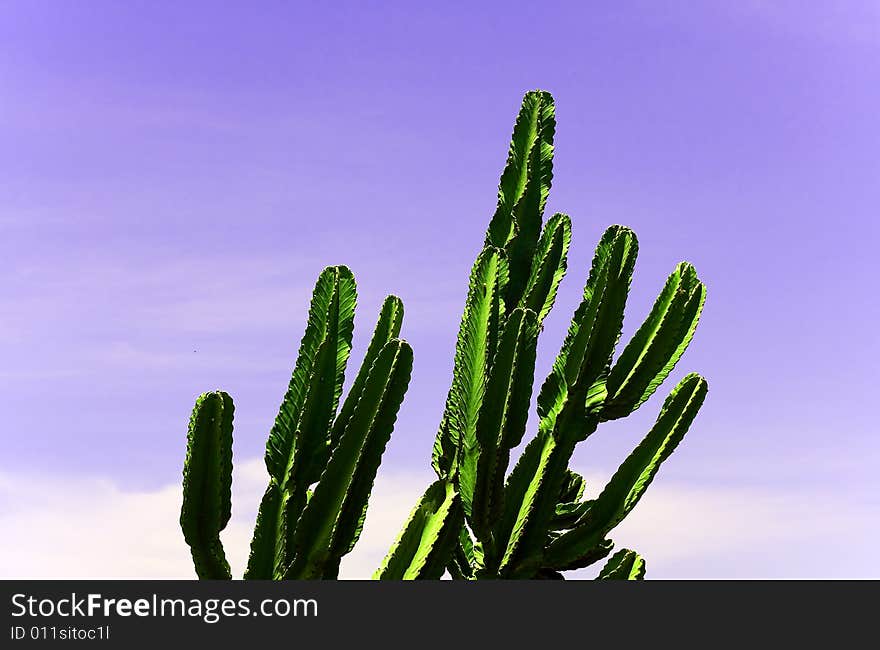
{"type": "Point", "coordinates": [174, 176]}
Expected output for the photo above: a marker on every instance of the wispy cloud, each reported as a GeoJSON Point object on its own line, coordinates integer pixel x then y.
{"type": "Point", "coordinates": [730, 532]}
{"type": "Point", "coordinates": [90, 528]}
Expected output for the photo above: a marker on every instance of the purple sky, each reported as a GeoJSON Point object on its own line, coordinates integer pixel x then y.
{"type": "Point", "coordinates": [173, 178]}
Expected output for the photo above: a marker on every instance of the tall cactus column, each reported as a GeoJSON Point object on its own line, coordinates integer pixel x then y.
{"type": "Point", "coordinates": [478, 519]}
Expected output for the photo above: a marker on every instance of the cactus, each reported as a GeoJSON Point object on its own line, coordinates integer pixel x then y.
{"type": "Point", "coordinates": [478, 520]}
{"type": "Point", "coordinates": [207, 483]}
{"type": "Point", "coordinates": [321, 463]}
{"type": "Point", "coordinates": [623, 565]}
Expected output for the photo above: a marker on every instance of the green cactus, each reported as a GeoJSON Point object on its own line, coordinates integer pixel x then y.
{"type": "Point", "coordinates": [623, 565]}
{"type": "Point", "coordinates": [481, 521]}
{"type": "Point", "coordinates": [321, 463]}
{"type": "Point", "coordinates": [207, 483]}
{"type": "Point", "coordinates": [477, 520]}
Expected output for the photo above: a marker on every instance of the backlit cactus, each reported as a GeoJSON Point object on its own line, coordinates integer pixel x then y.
{"type": "Point", "coordinates": [533, 521]}
{"type": "Point", "coordinates": [321, 463]}
{"type": "Point", "coordinates": [479, 519]}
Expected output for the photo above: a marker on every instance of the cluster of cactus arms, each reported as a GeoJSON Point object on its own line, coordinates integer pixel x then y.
{"type": "Point", "coordinates": [477, 521]}
{"type": "Point", "coordinates": [322, 459]}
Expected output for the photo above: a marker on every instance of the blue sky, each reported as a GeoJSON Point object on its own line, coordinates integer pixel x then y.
{"type": "Point", "coordinates": [173, 179]}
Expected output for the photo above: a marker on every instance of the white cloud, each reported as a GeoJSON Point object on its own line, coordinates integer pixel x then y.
{"type": "Point", "coordinates": [734, 532]}
{"type": "Point", "coordinates": [90, 528]}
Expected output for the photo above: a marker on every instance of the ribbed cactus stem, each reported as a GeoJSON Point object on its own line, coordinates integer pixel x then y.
{"type": "Point", "coordinates": [207, 483]}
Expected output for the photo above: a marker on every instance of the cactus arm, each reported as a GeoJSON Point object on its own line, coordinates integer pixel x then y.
{"type": "Point", "coordinates": [586, 352]}
{"type": "Point", "coordinates": [503, 416]}
{"type": "Point", "coordinates": [549, 266]}
{"type": "Point", "coordinates": [465, 559]}
{"type": "Point", "coordinates": [533, 134]}
{"type": "Point", "coordinates": [634, 475]}
{"type": "Point", "coordinates": [475, 348]}
{"type": "Point", "coordinates": [623, 565]}
{"type": "Point", "coordinates": [568, 514]}
{"type": "Point", "coordinates": [298, 442]}
{"type": "Point", "coordinates": [658, 344]}
{"type": "Point", "coordinates": [265, 552]}
{"type": "Point", "coordinates": [573, 488]}
{"type": "Point", "coordinates": [387, 328]}
{"type": "Point", "coordinates": [444, 450]}
{"type": "Point", "coordinates": [540, 460]}
{"type": "Point", "coordinates": [518, 484]}
{"type": "Point", "coordinates": [585, 559]}
{"type": "Point", "coordinates": [331, 282]}
{"type": "Point", "coordinates": [425, 545]}
{"type": "Point", "coordinates": [515, 229]}
{"type": "Point", "coordinates": [207, 482]}
{"type": "Point", "coordinates": [529, 506]}
{"type": "Point", "coordinates": [588, 365]}
{"type": "Point", "coordinates": [312, 449]}
{"type": "Point", "coordinates": [569, 507]}
{"type": "Point", "coordinates": [693, 309]}
{"type": "Point", "coordinates": [329, 522]}
{"type": "Point", "coordinates": [522, 192]}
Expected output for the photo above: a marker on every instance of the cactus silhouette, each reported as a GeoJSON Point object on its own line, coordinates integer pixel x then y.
{"type": "Point", "coordinates": [321, 463]}
{"type": "Point", "coordinates": [479, 521]}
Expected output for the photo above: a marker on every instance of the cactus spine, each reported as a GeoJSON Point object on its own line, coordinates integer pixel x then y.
{"type": "Point", "coordinates": [533, 522]}
{"type": "Point", "coordinates": [321, 463]}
